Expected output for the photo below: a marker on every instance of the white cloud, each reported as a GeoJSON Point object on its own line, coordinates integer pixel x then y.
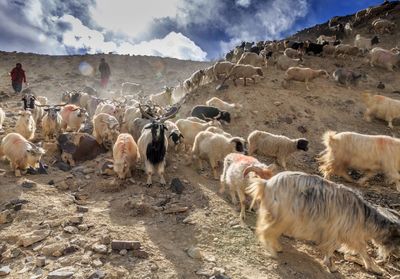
{"type": "Point", "coordinates": [173, 45]}
{"type": "Point", "coordinates": [243, 3]}
{"type": "Point", "coordinates": [131, 17]}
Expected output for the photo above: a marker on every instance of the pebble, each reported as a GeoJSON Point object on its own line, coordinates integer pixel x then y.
{"type": "Point", "coordinates": [277, 103]}
{"type": "Point", "coordinates": [123, 252]}
{"type": "Point", "coordinates": [177, 186]}
{"type": "Point", "coordinates": [99, 248]}
{"type": "Point", "coordinates": [5, 217]}
{"type": "Point", "coordinates": [302, 129]}
{"type": "Point", "coordinates": [40, 261]}
{"type": "Point", "coordinates": [194, 253]}
{"type": "Point", "coordinates": [71, 229]}
{"type": "Point", "coordinates": [54, 249]}
{"type": "Point", "coordinates": [125, 244]}
{"type": "Point", "coordinates": [83, 227]}
{"type": "Point", "coordinates": [5, 270]}
{"type": "Point", "coordinates": [97, 263]}
{"type": "Point", "coordinates": [82, 209]}
{"type": "Point", "coordinates": [65, 272]}
{"type": "Point", "coordinates": [75, 220]}
{"type": "Point", "coordinates": [97, 274]}
{"type": "Point", "coordinates": [70, 249]}
{"type": "Point", "coordinates": [141, 254]}
{"type": "Point", "coordinates": [28, 184]}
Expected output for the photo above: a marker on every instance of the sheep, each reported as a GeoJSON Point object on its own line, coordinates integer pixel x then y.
{"type": "Point", "coordinates": [195, 119]}
{"type": "Point", "coordinates": [250, 58]}
{"type": "Point", "coordinates": [106, 108]}
{"type": "Point", "coordinates": [283, 62]}
{"type": "Point", "coordinates": [208, 75]}
{"type": "Point", "coordinates": [214, 147]}
{"type": "Point", "coordinates": [384, 58]}
{"type": "Point", "coordinates": [232, 176]}
{"type": "Point", "coordinates": [381, 107]}
{"type": "Point", "coordinates": [277, 146]}
{"type": "Point", "coordinates": [365, 44]}
{"type": "Point", "coordinates": [382, 26]}
{"type": "Point", "coordinates": [2, 117]}
{"type": "Point", "coordinates": [344, 49]}
{"type": "Point", "coordinates": [162, 99]}
{"type": "Point", "coordinates": [293, 54]}
{"type": "Point", "coordinates": [126, 155]}
{"type": "Point", "coordinates": [233, 109]}
{"type": "Point", "coordinates": [217, 130]}
{"type": "Point", "coordinates": [72, 117]}
{"type": "Point", "coordinates": [245, 72]}
{"type": "Point", "coordinates": [21, 153]}
{"type": "Point", "coordinates": [84, 100]}
{"type": "Point", "coordinates": [129, 88]}
{"type": "Point", "coordinates": [173, 134]}
{"type": "Point", "coordinates": [51, 122]}
{"type": "Point", "coordinates": [309, 207]}
{"type": "Point", "coordinates": [322, 38]}
{"type": "Point", "coordinates": [194, 81]}
{"type": "Point", "coordinates": [130, 114]}
{"type": "Point", "coordinates": [303, 74]}
{"type": "Point", "coordinates": [222, 68]}
{"type": "Point", "coordinates": [190, 129]}
{"type": "Point", "coordinates": [369, 153]}
{"type": "Point", "coordinates": [92, 105]}
{"type": "Point", "coordinates": [344, 76]}
{"type": "Point", "coordinates": [105, 129]}
{"type": "Point", "coordinates": [153, 146]}
{"type": "Point", "coordinates": [26, 125]}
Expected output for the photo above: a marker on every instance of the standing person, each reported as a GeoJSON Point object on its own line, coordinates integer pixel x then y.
{"type": "Point", "coordinates": [17, 77]}
{"type": "Point", "coordinates": [105, 73]}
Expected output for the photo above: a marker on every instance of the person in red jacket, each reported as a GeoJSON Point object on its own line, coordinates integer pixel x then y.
{"type": "Point", "coordinates": [17, 77]}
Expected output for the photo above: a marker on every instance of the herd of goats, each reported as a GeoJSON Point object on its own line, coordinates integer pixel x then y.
{"type": "Point", "coordinates": [296, 204]}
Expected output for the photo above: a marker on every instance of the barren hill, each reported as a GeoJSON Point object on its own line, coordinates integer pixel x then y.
{"type": "Point", "coordinates": [208, 221]}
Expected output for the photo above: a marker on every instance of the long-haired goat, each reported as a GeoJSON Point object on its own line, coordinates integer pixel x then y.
{"type": "Point", "coordinates": [381, 107]}
{"type": "Point", "coordinates": [367, 153]}
{"type": "Point", "coordinates": [309, 207]}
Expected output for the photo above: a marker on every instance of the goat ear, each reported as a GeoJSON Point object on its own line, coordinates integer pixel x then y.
{"type": "Point", "coordinates": [181, 136]}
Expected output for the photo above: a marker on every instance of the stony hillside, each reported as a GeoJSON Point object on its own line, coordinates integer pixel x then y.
{"type": "Point", "coordinates": [66, 220]}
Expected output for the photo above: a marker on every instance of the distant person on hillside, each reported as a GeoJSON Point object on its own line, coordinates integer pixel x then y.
{"type": "Point", "coordinates": [17, 77]}
{"type": "Point", "coordinates": [105, 73]}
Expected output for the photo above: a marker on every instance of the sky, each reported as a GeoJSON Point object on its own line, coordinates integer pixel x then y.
{"type": "Point", "coordinates": [185, 29]}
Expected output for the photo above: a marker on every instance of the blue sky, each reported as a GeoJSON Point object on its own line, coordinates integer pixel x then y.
{"type": "Point", "coordinates": [184, 29]}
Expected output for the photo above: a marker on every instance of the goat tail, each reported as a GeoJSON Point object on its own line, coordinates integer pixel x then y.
{"type": "Point", "coordinates": [256, 190]}
{"type": "Point", "coordinates": [328, 139]}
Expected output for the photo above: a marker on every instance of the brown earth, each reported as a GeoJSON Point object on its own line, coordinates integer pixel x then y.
{"type": "Point", "coordinates": [131, 211]}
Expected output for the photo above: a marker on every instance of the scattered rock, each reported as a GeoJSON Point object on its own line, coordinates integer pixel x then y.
{"type": "Point", "coordinates": [285, 119]}
{"type": "Point", "coordinates": [125, 244]}
{"type": "Point", "coordinates": [97, 274]}
{"type": "Point", "coordinates": [302, 129]}
{"type": "Point", "coordinates": [71, 229]}
{"type": "Point", "coordinates": [395, 277]}
{"type": "Point", "coordinates": [5, 270]}
{"type": "Point", "coordinates": [105, 239]}
{"type": "Point", "coordinates": [33, 237]}
{"type": "Point", "coordinates": [70, 249]}
{"type": "Point", "coordinates": [83, 227]}
{"type": "Point", "coordinates": [62, 166]}
{"type": "Point", "coordinates": [97, 263]}
{"type": "Point", "coordinates": [177, 186]}
{"type": "Point", "coordinates": [194, 253]}
{"type": "Point", "coordinates": [219, 276]}
{"type": "Point", "coordinates": [123, 252]}
{"type": "Point", "coordinates": [11, 253]}
{"type": "Point", "coordinates": [5, 217]}
{"type": "Point", "coordinates": [141, 254]}
{"type": "Point", "coordinates": [65, 272]}
{"type": "Point", "coordinates": [40, 261]}
{"type": "Point", "coordinates": [82, 209]}
{"type": "Point", "coordinates": [75, 220]}
{"type": "Point", "coordinates": [176, 209]}
{"type": "Point", "coordinates": [28, 184]}
{"type": "Point", "coordinates": [100, 248]}
{"type": "Point", "coordinates": [55, 249]}
{"type": "Point", "coordinates": [221, 87]}
{"type": "Point", "coordinates": [380, 85]}
{"type": "Point", "coordinates": [277, 103]}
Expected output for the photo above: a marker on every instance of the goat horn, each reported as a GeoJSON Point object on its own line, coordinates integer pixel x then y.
{"type": "Point", "coordinates": [41, 106]}
{"type": "Point", "coordinates": [145, 113]}
{"type": "Point", "coordinates": [255, 169]}
{"type": "Point", "coordinates": [170, 114]}
{"type": "Point", "coordinates": [62, 105]}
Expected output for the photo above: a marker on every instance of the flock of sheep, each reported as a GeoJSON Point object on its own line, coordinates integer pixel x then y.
{"type": "Point", "coordinates": [292, 203]}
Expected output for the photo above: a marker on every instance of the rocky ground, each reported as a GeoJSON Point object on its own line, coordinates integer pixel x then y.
{"type": "Point", "coordinates": [81, 224]}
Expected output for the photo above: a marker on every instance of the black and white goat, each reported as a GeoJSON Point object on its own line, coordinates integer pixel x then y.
{"type": "Point", "coordinates": [153, 145]}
